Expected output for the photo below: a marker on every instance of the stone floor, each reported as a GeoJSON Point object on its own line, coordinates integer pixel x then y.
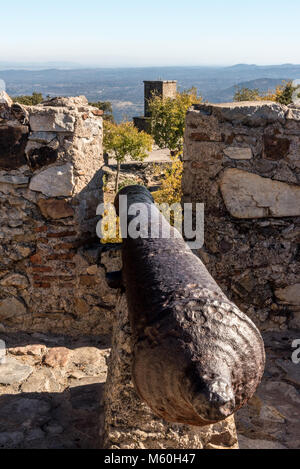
{"type": "Point", "coordinates": [271, 420]}
{"type": "Point", "coordinates": [51, 388]}
{"type": "Point", "coordinates": [50, 391]}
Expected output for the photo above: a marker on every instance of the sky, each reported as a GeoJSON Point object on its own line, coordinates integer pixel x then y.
{"type": "Point", "coordinates": [114, 33]}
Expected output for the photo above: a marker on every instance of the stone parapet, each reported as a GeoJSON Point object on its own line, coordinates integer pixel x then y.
{"type": "Point", "coordinates": [50, 187]}
{"type": "Point", "coordinates": [243, 161]}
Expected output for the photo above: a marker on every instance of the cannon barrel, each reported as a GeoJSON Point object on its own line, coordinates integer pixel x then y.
{"type": "Point", "coordinates": [197, 358]}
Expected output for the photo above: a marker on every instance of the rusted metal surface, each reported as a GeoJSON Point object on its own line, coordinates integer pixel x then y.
{"type": "Point", "coordinates": [197, 357]}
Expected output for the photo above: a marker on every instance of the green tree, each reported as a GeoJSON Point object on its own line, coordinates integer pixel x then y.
{"type": "Point", "coordinates": [168, 118]}
{"type": "Point", "coordinates": [125, 141]}
{"type": "Point", "coordinates": [246, 94]}
{"type": "Point", "coordinates": [284, 94]}
{"type": "Point", "coordinates": [106, 107]}
{"type": "Point", "coordinates": [35, 98]}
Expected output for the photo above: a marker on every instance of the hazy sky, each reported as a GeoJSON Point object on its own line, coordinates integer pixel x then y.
{"type": "Point", "coordinates": [155, 32]}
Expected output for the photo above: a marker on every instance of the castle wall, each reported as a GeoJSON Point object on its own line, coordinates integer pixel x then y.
{"type": "Point", "coordinates": [243, 161]}
{"type": "Point", "coordinates": [50, 187]}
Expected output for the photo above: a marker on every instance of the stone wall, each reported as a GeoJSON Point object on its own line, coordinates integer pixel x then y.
{"type": "Point", "coordinates": [243, 161]}
{"type": "Point", "coordinates": [50, 186]}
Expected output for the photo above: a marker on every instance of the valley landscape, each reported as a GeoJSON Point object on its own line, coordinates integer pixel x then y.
{"type": "Point", "coordinates": [123, 87]}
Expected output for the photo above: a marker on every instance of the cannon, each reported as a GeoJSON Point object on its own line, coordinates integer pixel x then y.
{"type": "Point", "coordinates": [197, 358]}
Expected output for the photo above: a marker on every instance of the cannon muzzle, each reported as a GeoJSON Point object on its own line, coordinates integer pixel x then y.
{"type": "Point", "coordinates": [197, 358]}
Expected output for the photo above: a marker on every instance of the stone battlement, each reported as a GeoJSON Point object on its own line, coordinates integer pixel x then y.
{"type": "Point", "coordinates": [243, 161]}
{"type": "Point", "coordinates": [50, 187]}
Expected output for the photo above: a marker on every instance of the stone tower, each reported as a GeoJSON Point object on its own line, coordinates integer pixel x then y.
{"type": "Point", "coordinates": [162, 88]}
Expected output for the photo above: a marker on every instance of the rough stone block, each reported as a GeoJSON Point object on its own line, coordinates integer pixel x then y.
{"type": "Point", "coordinates": [239, 153]}
{"type": "Point", "coordinates": [70, 103]}
{"type": "Point", "coordinates": [42, 137]}
{"type": "Point", "coordinates": [88, 127]}
{"type": "Point", "coordinates": [57, 357]}
{"type": "Point", "coordinates": [51, 121]}
{"type": "Point", "coordinates": [14, 372]}
{"type": "Point", "coordinates": [13, 179]}
{"type": "Point", "coordinates": [247, 195]}
{"type": "Point", "coordinates": [294, 113]}
{"type": "Point", "coordinates": [289, 295]}
{"type": "Point", "coordinates": [5, 99]}
{"type": "Point", "coordinates": [55, 208]}
{"type": "Point", "coordinates": [11, 308]}
{"type": "Point", "coordinates": [252, 114]}
{"type": "Point", "coordinates": [15, 280]}
{"type": "Point", "coordinates": [57, 181]}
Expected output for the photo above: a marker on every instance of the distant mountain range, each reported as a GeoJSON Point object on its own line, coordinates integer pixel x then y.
{"type": "Point", "coordinates": [124, 86]}
{"type": "Point", "coordinates": [37, 65]}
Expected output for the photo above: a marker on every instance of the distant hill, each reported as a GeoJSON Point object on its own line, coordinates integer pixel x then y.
{"type": "Point", "coordinates": [262, 84]}
{"type": "Point", "coordinates": [124, 86]}
{"type": "Point", "coordinates": [37, 66]}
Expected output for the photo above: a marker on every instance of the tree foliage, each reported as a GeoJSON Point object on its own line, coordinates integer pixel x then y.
{"type": "Point", "coordinates": [171, 185]}
{"type": "Point", "coordinates": [246, 94]}
{"type": "Point", "coordinates": [106, 107]}
{"type": "Point", "coordinates": [168, 198]}
{"type": "Point", "coordinates": [125, 141]}
{"type": "Point", "coordinates": [168, 118]}
{"type": "Point", "coordinates": [283, 94]}
{"type": "Point", "coordinates": [34, 99]}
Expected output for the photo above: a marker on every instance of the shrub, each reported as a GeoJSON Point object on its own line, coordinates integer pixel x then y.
{"type": "Point", "coordinates": [168, 118]}
{"type": "Point", "coordinates": [33, 100]}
